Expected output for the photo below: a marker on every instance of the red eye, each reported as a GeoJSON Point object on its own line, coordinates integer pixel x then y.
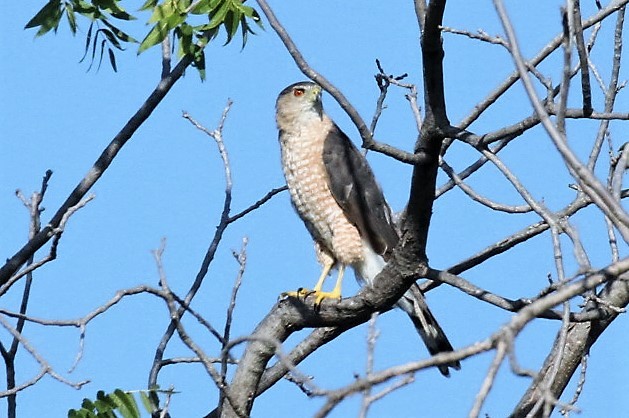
{"type": "Point", "coordinates": [298, 92]}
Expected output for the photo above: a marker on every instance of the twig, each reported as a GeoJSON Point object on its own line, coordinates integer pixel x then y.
{"type": "Point", "coordinates": [488, 382]}
{"type": "Point", "coordinates": [480, 35]}
{"type": "Point", "coordinates": [478, 198]}
{"type": "Point", "coordinates": [541, 56]}
{"type": "Point", "coordinates": [566, 21]}
{"type": "Point", "coordinates": [188, 360]}
{"type": "Point", "coordinates": [611, 91]}
{"type": "Point", "coordinates": [520, 236]}
{"type": "Point", "coordinates": [46, 368]}
{"type": "Point", "coordinates": [384, 80]}
{"type": "Point", "coordinates": [35, 210]}
{"type": "Point", "coordinates": [52, 254]}
{"type": "Point", "coordinates": [547, 400]}
{"type": "Point", "coordinates": [580, 385]}
{"type": "Point", "coordinates": [584, 176]}
{"type": "Point", "coordinates": [14, 263]}
{"type": "Point", "coordinates": [550, 218]}
{"type": "Point", "coordinates": [372, 337]}
{"type": "Point", "coordinates": [241, 258]}
{"type": "Point", "coordinates": [211, 251]}
{"type": "Point", "coordinates": [189, 342]}
{"type": "Point", "coordinates": [257, 204]}
{"type": "Point", "coordinates": [583, 57]}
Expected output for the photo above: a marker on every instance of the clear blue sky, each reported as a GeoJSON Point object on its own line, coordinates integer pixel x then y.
{"type": "Point", "coordinates": [168, 182]}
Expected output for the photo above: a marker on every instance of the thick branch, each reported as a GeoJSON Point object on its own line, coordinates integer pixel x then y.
{"type": "Point", "coordinates": [581, 337]}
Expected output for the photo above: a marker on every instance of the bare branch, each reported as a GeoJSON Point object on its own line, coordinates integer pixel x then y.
{"type": "Point", "coordinates": [583, 57]}
{"type": "Point", "coordinates": [211, 251]}
{"type": "Point", "coordinates": [241, 258]}
{"type": "Point", "coordinates": [584, 176]}
{"type": "Point", "coordinates": [98, 169]}
{"type": "Point", "coordinates": [372, 337]}
{"type": "Point", "coordinates": [613, 7]}
{"type": "Point", "coordinates": [488, 382]}
{"type": "Point", "coordinates": [478, 198]}
{"type": "Point", "coordinates": [45, 367]}
{"type": "Point", "coordinates": [480, 35]}
{"type": "Point", "coordinates": [257, 204]}
{"type": "Point", "coordinates": [611, 91]}
{"type": "Point", "coordinates": [52, 254]}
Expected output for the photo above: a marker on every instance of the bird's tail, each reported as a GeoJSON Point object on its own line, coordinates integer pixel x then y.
{"type": "Point", "coordinates": [414, 304]}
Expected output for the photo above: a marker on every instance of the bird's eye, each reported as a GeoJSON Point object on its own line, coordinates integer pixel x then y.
{"type": "Point", "coordinates": [299, 92]}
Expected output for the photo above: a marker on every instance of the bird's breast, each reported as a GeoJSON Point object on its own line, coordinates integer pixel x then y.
{"type": "Point", "coordinates": [307, 181]}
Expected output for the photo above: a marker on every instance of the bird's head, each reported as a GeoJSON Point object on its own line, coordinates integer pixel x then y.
{"type": "Point", "coordinates": [299, 100]}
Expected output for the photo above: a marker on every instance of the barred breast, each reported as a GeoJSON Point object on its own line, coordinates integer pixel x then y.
{"type": "Point", "coordinates": [307, 183]}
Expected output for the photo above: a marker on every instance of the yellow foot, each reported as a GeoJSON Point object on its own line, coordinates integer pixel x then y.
{"type": "Point", "coordinates": [303, 293]}
{"type": "Point", "coordinates": [326, 295]}
{"type": "Point", "coordinates": [300, 293]}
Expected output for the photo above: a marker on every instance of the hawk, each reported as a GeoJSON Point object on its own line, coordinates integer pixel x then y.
{"type": "Point", "coordinates": [335, 193]}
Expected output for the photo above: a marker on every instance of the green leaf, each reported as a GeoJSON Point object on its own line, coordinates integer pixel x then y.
{"type": "Point", "coordinates": [126, 404]}
{"type": "Point", "coordinates": [112, 59]}
{"type": "Point", "coordinates": [204, 7]}
{"type": "Point", "coordinates": [245, 30]}
{"type": "Point", "coordinates": [86, 9]}
{"type": "Point", "coordinates": [102, 51]}
{"type": "Point", "coordinates": [161, 30]}
{"type": "Point", "coordinates": [148, 4]}
{"type": "Point", "coordinates": [184, 35]}
{"type": "Point", "coordinates": [199, 63]}
{"type": "Point", "coordinates": [219, 16]}
{"type": "Point", "coordinates": [93, 50]}
{"type": "Point", "coordinates": [246, 10]}
{"type": "Point", "coordinates": [88, 38]}
{"type": "Point", "coordinates": [256, 18]}
{"type": "Point", "coordinates": [183, 5]}
{"type": "Point", "coordinates": [104, 403]}
{"type": "Point", "coordinates": [155, 36]}
{"type": "Point", "coordinates": [147, 402]}
{"type": "Point", "coordinates": [47, 18]}
{"type": "Point", "coordinates": [112, 39]}
{"type": "Point", "coordinates": [71, 18]}
{"type": "Point", "coordinates": [87, 404]}
{"type": "Point", "coordinates": [163, 11]}
{"type": "Point", "coordinates": [232, 20]}
{"type": "Point", "coordinates": [119, 34]}
{"type": "Point", "coordinates": [112, 7]}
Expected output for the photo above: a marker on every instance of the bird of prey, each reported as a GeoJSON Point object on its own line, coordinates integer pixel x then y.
{"type": "Point", "coordinates": [336, 195]}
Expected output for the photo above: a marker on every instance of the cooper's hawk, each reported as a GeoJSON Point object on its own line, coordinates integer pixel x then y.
{"type": "Point", "coordinates": [335, 193]}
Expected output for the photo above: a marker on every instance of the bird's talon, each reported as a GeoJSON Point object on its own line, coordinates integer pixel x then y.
{"type": "Point", "coordinates": [326, 295]}
{"type": "Point", "coordinates": [300, 293]}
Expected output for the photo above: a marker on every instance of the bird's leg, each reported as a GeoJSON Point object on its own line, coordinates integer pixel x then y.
{"type": "Point", "coordinates": [324, 273]}
{"type": "Point", "coordinates": [335, 293]}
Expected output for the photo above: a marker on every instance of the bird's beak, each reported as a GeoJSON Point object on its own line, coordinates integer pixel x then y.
{"type": "Point", "coordinates": [316, 93]}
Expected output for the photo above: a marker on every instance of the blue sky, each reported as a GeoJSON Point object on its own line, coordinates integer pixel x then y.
{"type": "Point", "coordinates": [168, 182]}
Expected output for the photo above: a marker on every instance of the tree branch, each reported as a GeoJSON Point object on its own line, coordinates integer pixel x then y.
{"type": "Point", "coordinates": [98, 169]}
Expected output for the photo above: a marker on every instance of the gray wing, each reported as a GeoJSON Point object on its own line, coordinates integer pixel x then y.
{"type": "Point", "coordinates": [355, 189]}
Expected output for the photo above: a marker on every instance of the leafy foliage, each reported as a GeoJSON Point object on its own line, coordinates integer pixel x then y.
{"type": "Point", "coordinates": [169, 16]}
{"type": "Point", "coordinates": [113, 405]}
{"type": "Point", "coordinates": [99, 12]}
